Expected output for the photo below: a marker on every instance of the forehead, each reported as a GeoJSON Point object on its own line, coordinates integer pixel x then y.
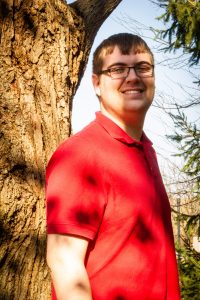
{"type": "Point", "coordinates": [116, 57]}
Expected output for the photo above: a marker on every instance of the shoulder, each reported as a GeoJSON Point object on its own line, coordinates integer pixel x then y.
{"type": "Point", "coordinates": [81, 148]}
{"type": "Point", "coordinates": [82, 140]}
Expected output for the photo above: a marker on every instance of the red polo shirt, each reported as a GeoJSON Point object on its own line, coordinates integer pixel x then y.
{"type": "Point", "coordinates": [105, 186]}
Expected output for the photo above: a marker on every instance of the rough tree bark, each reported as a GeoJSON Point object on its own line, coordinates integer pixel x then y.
{"type": "Point", "coordinates": [44, 48]}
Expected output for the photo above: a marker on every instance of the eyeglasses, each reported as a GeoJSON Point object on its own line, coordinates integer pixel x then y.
{"type": "Point", "coordinates": [141, 69]}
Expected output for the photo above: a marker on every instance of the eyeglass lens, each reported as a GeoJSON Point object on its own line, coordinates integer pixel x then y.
{"type": "Point", "coordinates": [140, 70]}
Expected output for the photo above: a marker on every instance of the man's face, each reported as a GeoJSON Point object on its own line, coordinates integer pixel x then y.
{"type": "Point", "coordinates": [124, 98]}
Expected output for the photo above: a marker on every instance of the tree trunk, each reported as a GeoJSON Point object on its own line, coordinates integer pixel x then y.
{"type": "Point", "coordinates": [43, 53]}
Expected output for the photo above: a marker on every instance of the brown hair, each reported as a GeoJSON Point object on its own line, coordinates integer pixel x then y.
{"type": "Point", "coordinates": [126, 42]}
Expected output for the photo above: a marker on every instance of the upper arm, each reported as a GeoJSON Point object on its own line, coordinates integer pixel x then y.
{"type": "Point", "coordinates": [63, 249]}
{"type": "Point", "coordinates": [65, 257]}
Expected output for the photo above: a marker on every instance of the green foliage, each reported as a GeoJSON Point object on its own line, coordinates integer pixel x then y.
{"type": "Point", "coordinates": [183, 19]}
{"type": "Point", "coordinates": [189, 270]}
{"type": "Point", "coordinates": [187, 137]}
{"type": "Point", "coordinates": [183, 16]}
{"type": "Point", "coordinates": [193, 222]}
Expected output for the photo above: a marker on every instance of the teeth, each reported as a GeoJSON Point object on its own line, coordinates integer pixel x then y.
{"type": "Point", "coordinates": [132, 92]}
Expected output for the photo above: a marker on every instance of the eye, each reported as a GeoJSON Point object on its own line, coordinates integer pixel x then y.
{"type": "Point", "coordinates": [118, 70]}
{"type": "Point", "coordinates": [143, 68]}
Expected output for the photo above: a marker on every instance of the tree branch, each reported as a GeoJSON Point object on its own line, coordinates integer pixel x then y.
{"type": "Point", "coordinates": [94, 13]}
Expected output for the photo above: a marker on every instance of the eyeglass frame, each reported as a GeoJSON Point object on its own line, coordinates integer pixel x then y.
{"type": "Point", "coordinates": [107, 71]}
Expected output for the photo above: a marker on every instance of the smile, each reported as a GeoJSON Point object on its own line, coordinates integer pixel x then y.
{"type": "Point", "coordinates": [132, 92]}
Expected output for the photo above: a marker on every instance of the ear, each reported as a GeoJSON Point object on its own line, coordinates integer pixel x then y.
{"type": "Point", "coordinates": [96, 84]}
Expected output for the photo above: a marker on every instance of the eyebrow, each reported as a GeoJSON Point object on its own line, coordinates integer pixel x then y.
{"type": "Point", "coordinates": [125, 65]}
{"type": "Point", "coordinates": [117, 64]}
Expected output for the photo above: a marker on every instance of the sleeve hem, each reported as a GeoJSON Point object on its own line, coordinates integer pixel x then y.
{"type": "Point", "coordinates": [69, 229]}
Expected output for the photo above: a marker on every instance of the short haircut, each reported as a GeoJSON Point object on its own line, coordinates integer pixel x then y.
{"type": "Point", "coordinates": [126, 42]}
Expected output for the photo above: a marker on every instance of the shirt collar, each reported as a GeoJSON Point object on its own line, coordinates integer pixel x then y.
{"type": "Point", "coordinates": [118, 133]}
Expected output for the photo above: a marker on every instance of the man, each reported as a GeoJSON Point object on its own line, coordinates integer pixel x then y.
{"type": "Point", "coordinates": [108, 216]}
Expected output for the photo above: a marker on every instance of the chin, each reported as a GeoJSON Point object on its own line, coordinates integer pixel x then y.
{"type": "Point", "coordinates": [138, 108]}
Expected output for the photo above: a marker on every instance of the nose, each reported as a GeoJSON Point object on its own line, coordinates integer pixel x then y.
{"type": "Point", "coordinates": [131, 74]}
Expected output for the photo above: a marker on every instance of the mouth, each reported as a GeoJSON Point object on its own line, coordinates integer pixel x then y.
{"type": "Point", "coordinates": [132, 91]}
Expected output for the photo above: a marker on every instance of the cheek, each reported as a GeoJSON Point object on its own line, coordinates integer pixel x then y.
{"type": "Point", "coordinates": [109, 85]}
{"type": "Point", "coordinates": [151, 88]}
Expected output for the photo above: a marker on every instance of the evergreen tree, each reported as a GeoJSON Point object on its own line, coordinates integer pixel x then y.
{"type": "Point", "coordinates": [183, 18]}
{"type": "Point", "coordinates": [187, 137]}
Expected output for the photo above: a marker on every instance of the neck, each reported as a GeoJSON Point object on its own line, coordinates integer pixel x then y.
{"type": "Point", "coordinates": [132, 127]}
{"type": "Point", "coordinates": [136, 134]}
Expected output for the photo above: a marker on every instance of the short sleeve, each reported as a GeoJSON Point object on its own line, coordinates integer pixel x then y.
{"type": "Point", "coordinates": [75, 195]}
